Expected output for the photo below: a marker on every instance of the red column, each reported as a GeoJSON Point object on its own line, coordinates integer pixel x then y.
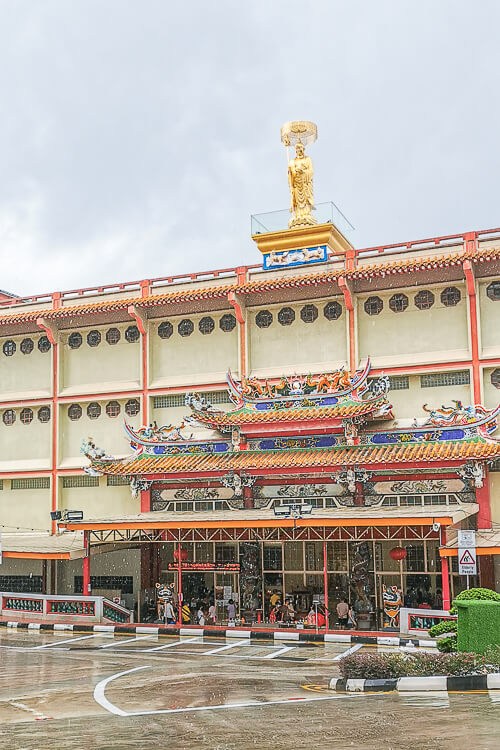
{"type": "Point", "coordinates": [247, 497]}
{"type": "Point", "coordinates": [145, 501]}
{"type": "Point", "coordinates": [483, 500]}
{"type": "Point", "coordinates": [180, 584]}
{"type": "Point", "coordinates": [86, 564]}
{"type": "Point", "coordinates": [445, 574]}
{"type": "Point", "coordinates": [358, 494]}
{"type": "Point", "coordinates": [325, 581]}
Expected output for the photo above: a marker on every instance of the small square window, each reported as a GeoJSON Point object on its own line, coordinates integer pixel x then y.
{"type": "Point", "coordinates": [132, 334]}
{"type": "Point", "coordinates": [165, 330]}
{"type": "Point", "coordinates": [424, 299]}
{"type": "Point", "coordinates": [398, 303]}
{"type": "Point", "coordinates": [44, 414]}
{"type": "Point", "coordinates": [185, 327]}
{"type": "Point", "coordinates": [286, 316]}
{"type": "Point", "coordinates": [9, 347]}
{"type": "Point", "coordinates": [206, 325]}
{"type": "Point", "coordinates": [373, 306]}
{"type": "Point", "coordinates": [113, 336]}
{"type": "Point", "coordinates": [309, 313]}
{"type": "Point", "coordinates": [450, 296]}
{"type": "Point", "coordinates": [227, 323]}
{"type": "Point", "coordinates": [132, 407]}
{"type": "Point", "coordinates": [26, 416]}
{"type": "Point", "coordinates": [93, 338]}
{"type": "Point", "coordinates": [264, 318]}
{"type": "Point", "coordinates": [75, 340]}
{"type": "Point", "coordinates": [27, 346]}
{"type": "Point", "coordinates": [9, 417]}
{"type": "Point", "coordinates": [93, 410]}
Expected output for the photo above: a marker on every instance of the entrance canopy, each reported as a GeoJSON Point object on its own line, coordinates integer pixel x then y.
{"type": "Point", "coordinates": [67, 546]}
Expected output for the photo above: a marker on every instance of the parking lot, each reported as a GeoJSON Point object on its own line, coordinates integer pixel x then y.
{"type": "Point", "coordinates": [77, 691]}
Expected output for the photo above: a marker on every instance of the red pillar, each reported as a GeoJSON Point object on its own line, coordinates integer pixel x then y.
{"type": "Point", "coordinates": [358, 494]}
{"type": "Point", "coordinates": [180, 584]}
{"type": "Point", "coordinates": [325, 581]}
{"type": "Point", "coordinates": [145, 501]}
{"type": "Point", "coordinates": [445, 573]}
{"type": "Point", "coordinates": [247, 497]}
{"type": "Point", "coordinates": [483, 500]}
{"type": "Point", "coordinates": [86, 564]}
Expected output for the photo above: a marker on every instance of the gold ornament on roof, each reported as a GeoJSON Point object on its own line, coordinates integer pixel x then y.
{"type": "Point", "coordinates": [300, 133]}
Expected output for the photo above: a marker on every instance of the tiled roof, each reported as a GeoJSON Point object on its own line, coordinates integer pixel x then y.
{"type": "Point", "coordinates": [254, 416]}
{"type": "Point", "coordinates": [403, 265]}
{"type": "Point", "coordinates": [307, 458]}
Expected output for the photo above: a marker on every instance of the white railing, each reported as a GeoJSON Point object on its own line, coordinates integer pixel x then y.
{"type": "Point", "coordinates": [52, 607]}
{"type": "Point", "coordinates": [419, 621]}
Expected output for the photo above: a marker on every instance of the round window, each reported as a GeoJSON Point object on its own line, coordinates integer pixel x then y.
{"type": "Point", "coordinates": [27, 346]}
{"type": "Point", "coordinates": [264, 318]}
{"type": "Point", "coordinates": [113, 336]}
{"type": "Point", "coordinates": [75, 340]}
{"type": "Point", "coordinates": [332, 310]}
{"type": "Point", "coordinates": [165, 330]}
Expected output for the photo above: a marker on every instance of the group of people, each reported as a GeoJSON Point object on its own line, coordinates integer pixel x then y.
{"type": "Point", "coordinates": [197, 612]}
{"type": "Point", "coordinates": [286, 613]}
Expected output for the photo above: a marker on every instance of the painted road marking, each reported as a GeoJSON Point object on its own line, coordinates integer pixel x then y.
{"type": "Point", "coordinates": [171, 645]}
{"type": "Point", "coordinates": [279, 652]}
{"type": "Point", "coordinates": [127, 640]}
{"type": "Point", "coordinates": [68, 640]}
{"type": "Point", "coordinates": [100, 698]}
{"type": "Point", "coordinates": [351, 650]}
{"type": "Point", "coordinates": [225, 648]}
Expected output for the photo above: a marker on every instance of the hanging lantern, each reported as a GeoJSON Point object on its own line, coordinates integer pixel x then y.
{"type": "Point", "coordinates": [398, 553]}
{"type": "Point", "coordinates": [184, 553]}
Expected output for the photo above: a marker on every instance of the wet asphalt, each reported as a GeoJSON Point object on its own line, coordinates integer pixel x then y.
{"type": "Point", "coordinates": [97, 691]}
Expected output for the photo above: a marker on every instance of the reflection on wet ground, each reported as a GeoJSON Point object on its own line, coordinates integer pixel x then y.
{"type": "Point", "coordinates": [83, 692]}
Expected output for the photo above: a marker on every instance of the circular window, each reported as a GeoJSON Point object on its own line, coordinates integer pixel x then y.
{"type": "Point", "coordinates": [495, 378]}
{"type": "Point", "coordinates": [206, 325]}
{"type": "Point", "coordinates": [74, 412]}
{"type": "Point", "coordinates": [93, 338]}
{"type": "Point", "coordinates": [493, 291]}
{"type": "Point", "coordinates": [132, 334]}
{"type": "Point", "coordinates": [26, 416]}
{"type": "Point", "coordinates": [227, 323]}
{"type": "Point", "coordinates": [309, 313]}
{"type": "Point", "coordinates": [332, 310]}
{"type": "Point", "coordinates": [27, 346]}
{"type": "Point", "coordinates": [132, 407]}
{"type": "Point", "coordinates": [165, 330]}
{"type": "Point", "coordinates": [424, 299]}
{"type": "Point", "coordinates": [185, 327]}
{"type": "Point", "coordinates": [286, 316]}
{"type": "Point", "coordinates": [9, 347]}
{"type": "Point", "coordinates": [9, 416]}
{"type": "Point", "coordinates": [264, 318]}
{"type": "Point", "coordinates": [75, 340]}
{"type": "Point", "coordinates": [93, 410]}
{"type": "Point", "coordinates": [398, 302]}
{"type": "Point", "coordinates": [113, 409]}
{"type": "Point", "coordinates": [113, 336]}
{"type": "Point", "coordinates": [44, 414]}
{"type": "Point", "coordinates": [43, 344]}
{"type": "Point", "coordinates": [373, 305]}
{"type": "Point", "coordinates": [450, 296]}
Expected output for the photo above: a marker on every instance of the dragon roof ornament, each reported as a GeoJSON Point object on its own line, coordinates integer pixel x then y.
{"type": "Point", "coordinates": [460, 415]}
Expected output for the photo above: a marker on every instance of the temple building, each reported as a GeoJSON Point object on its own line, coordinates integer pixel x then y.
{"type": "Point", "coordinates": [318, 425]}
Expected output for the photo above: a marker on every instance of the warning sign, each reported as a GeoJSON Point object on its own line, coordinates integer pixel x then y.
{"type": "Point", "coordinates": [467, 560]}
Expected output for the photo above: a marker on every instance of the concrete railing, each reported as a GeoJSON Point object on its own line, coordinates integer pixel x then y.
{"type": "Point", "coordinates": [419, 621]}
{"type": "Point", "coordinates": [51, 607]}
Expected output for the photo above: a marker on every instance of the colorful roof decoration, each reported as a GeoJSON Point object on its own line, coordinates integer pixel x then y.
{"type": "Point", "coordinates": [459, 414]}
{"type": "Point", "coordinates": [257, 286]}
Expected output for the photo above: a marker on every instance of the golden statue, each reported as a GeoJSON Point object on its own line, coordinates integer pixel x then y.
{"type": "Point", "coordinates": [300, 172]}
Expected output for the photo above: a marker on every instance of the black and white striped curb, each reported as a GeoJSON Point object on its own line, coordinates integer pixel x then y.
{"type": "Point", "coordinates": [276, 635]}
{"type": "Point", "coordinates": [417, 684]}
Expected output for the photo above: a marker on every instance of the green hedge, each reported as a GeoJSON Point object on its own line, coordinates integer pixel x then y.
{"type": "Point", "coordinates": [387, 666]}
{"type": "Point", "coordinates": [478, 624]}
{"type": "Point", "coordinates": [445, 626]}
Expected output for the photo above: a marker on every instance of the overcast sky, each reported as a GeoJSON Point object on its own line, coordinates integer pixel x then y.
{"type": "Point", "coordinates": [137, 136]}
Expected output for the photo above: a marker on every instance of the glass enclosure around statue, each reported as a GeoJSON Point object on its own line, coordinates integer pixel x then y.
{"type": "Point", "coordinates": [324, 213]}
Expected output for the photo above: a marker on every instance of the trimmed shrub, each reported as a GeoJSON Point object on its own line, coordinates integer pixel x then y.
{"type": "Point", "coordinates": [478, 624]}
{"type": "Point", "coordinates": [387, 666]}
{"type": "Point", "coordinates": [448, 644]}
{"type": "Point", "coordinates": [445, 626]}
{"type": "Point", "coordinates": [478, 594]}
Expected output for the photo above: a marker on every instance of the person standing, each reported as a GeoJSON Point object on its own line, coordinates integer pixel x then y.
{"type": "Point", "coordinates": [342, 613]}
{"type": "Point", "coordinates": [231, 610]}
{"type": "Point", "coordinates": [212, 615]}
{"type": "Point", "coordinates": [169, 613]}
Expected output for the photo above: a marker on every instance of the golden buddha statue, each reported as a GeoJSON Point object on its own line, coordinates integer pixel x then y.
{"type": "Point", "coordinates": [300, 172]}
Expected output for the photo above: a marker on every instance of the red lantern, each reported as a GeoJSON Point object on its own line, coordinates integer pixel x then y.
{"type": "Point", "coordinates": [184, 553]}
{"type": "Point", "coordinates": [398, 553]}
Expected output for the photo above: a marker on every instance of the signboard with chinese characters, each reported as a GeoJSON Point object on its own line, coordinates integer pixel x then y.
{"type": "Point", "coordinates": [467, 557]}
{"type": "Point", "coordinates": [206, 567]}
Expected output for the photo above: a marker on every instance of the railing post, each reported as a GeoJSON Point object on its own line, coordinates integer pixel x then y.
{"type": "Point", "coordinates": [86, 564]}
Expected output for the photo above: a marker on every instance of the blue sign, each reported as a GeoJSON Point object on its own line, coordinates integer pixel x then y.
{"type": "Point", "coordinates": [288, 258]}
{"type": "Point", "coordinates": [161, 450]}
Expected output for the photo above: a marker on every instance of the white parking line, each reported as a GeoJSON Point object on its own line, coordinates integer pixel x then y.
{"type": "Point", "coordinates": [101, 699]}
{"type": "Point", "coordinates": [279, 652]}
{"type": "Point", "coordinates": [171, 645]}
{"type": "Point", "coordinates": [68, 640]}
{"type": "Point", "coordinates": [225, 648]}
{"type": "Point", "coordinates": [351, 650]}
{"type": "Point", "coordinates": [128, 640]}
